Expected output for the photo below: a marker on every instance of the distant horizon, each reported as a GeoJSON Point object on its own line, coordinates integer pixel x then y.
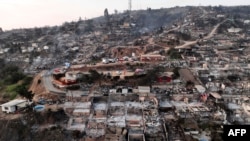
{"type": "Point", "coordinates": [16, 14]}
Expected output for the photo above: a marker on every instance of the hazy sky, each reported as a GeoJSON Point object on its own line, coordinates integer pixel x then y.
{"type": "Point", "coordinates": [37, 13]}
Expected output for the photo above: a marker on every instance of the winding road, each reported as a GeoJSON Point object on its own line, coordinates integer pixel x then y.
{"type": "Point", "coordinates": [47, 82]}
{"type": "Point", "coordinates": [211, 34]}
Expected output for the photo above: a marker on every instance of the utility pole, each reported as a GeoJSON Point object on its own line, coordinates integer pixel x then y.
{"type": "Point", "coordinates": [129, 5]}
{"type": "Point", "coordinates": [129, 14]}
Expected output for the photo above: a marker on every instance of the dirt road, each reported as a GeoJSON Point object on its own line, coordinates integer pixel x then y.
{"type": "Point", "coordinates": [211, 34]}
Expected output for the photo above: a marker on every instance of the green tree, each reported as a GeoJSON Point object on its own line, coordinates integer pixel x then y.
{"type": "Point", "coordinates": [11, 74]}
{"type": "Point", "coordinates": [23, 91]}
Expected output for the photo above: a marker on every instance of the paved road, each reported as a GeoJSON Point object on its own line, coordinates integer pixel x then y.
{"type": "Point", "coordinates": [47, 82]}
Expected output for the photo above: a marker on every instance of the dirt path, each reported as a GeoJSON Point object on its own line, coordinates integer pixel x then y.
{"type": "Point", "coordinates": [211, 34]}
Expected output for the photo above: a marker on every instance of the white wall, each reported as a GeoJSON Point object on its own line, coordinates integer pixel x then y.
{"type": "Point", "coordinates": [9, 110]}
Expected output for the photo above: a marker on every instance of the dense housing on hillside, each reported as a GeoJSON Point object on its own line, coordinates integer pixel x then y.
{"type": "Point", "coordinates": [167, 75]}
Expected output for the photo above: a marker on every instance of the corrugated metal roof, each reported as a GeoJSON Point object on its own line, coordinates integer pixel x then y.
{"type": "Point", "coordinates": [13, 102]}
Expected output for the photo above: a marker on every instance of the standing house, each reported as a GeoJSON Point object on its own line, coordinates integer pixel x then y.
{"type": "Point", "coordinates": [144, 89]}
{"type": "Point", "coordinates": [12, 106]}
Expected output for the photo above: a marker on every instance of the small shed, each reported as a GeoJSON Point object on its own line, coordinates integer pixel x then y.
{"type": "Point", "coordinates": [12, 106]}
{"type": "Point", "coordinates": [200, 88]}
{"type": "Point", "coordinates": [124, 91]}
